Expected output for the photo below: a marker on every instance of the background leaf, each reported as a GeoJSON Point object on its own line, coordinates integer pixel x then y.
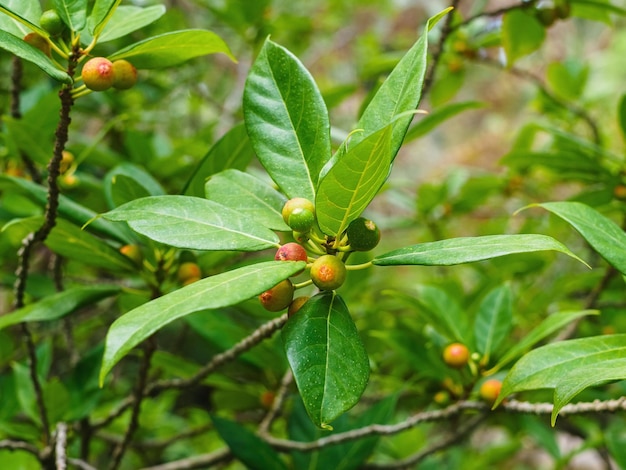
{"type": "Point", "coordinates": [72, 12]}
{"type": "Point", "coordinates": [221, 290]}
{"type": "Point", "coordinates": [493, 321]}
{"type": "Point", "coordinates": [101, 13]}
{"type": "Point", "coordinates": [328, 359]}
{"type": "Point", "coordinates": [287, 120]}
{"type": "Point", "coordinates": [521, 34]}
{"type": "Point", "coordinates": [127, 182]}
{"type": "Point", "coordinates": [127, 19]}
{"type": "Point", "coordinates": [469, 249]}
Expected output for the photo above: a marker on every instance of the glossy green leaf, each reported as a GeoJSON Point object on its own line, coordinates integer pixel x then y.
{"type": "Point", "coordinates": [401, 92]}
{"type": "Point", "coordinates": [221, 290]}
{"type": "Point", "coordinates": [249, 196]}
{"type": "Point", "coordinates": [494, 321]}
{"type": "Point", "coordinates": [170, 49]}
{"type": "Point", "coordinates": [287, 120]}
{"type": "Point", "coordinates": [127, 19]}
{"type": "Point", "coordinates": [127, 182]}
{"type": "Point", "coordinates": [193, 223]}
{"type": "Point", "coordinates": [21, 133]}
{"type": "Point", "coordinates": [521, 34]}
{"type": "Point", "coordinates": [604, 235]}
{"type": "Point", "coordinates": [232, 151]}
{"type": "Point", "coordinates": [353, 181]}
{"type": "Point", "coordinates": [58, 305]}
{"type": "Point", "coordinates": [248, 448]}
{"type": "Point", "coordinates": [438, 116]}
{"type": "Point", "coordinates": [568, 367]}
{"type": "Point", "coordinates": [72, 12]}
{"type": "Point", "coordinates": [68, 209]}
{"type": "Point", "coordinates": [596, 10]}
{"type": "Point", "coordinates": [20, 17]}
{"type": "Point", "coordinates": [100, 14]}
{"type": "Point", "coordinates": [621, 115]}
{"type": "Point", "coordinates": [328, 359]}
{"type": "Point", "coordinates": [27, 52]}
{"type": "Point", "coordinates": [470, 249]}
{"type": "Point", "coordinates": [551, 324]}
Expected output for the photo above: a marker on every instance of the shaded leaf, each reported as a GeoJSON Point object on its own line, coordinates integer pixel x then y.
{"type": "Point", "coordinates": [127, 19]}
{"type": "Point", "coordinates": [521, 34]}
{"type": "Point", "coordinates": [100, 14]}
{"type": "Point", "coordinates": [127, 182]}
{"type": "Point", "coordinates": [438, 116]}
{"type": "Point", "coordinates": [222, 290]}
{"type": "Point", "coordinates": [72, 12]}
{"type": "Point", "coordinates": [493, 320]}
{"type": "Point", "coordinates": [621, 115]}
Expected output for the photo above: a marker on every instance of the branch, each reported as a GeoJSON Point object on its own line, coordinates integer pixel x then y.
{"type": "Point", "coordinates": [19, 445]}
{"type": "Point", "coordinates": [60, 448]}
{"type": "Point", "coordinates": [199, 461]}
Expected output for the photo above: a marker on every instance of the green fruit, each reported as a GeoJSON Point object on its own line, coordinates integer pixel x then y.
{"type": "Point", "coordinates": [52, 22]}
{"type": "Point", "coordinates": [456, 355]}
{"type": "Point", "coordinates": [125, 75]}
{"type": "Point", "coordinates": [301, 237]}
{"type": "Point", "coordinates": [328, 272]}
{"type": "Point", "coordinates": [296, 305]}
{"type": "Point", "coordinates": [278, 297]}
{"type": "Point", "coordinates": [301, 220]}
{"type": "Point", "coordinates": [363, 234]}
{"type": "Point", "coordinates": [98, 74]}
{"type": "Point", "coordinates": [563, 9]}
{"type": "Point", "coordinates": [296, 203]}
{"type": "Point", "coordinates": [38, 41]}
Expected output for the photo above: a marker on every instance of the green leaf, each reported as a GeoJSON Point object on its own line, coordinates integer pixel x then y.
{"type": "Point", "coordinates": [127, 182]}
{"type": "Point", "coordinates": [353, 181]}
{"type": "Point", "coordinates": [27, 52]}
{"type": "Point", "coordinates": [553, 323]}
{"type": "Point", "coordinates": [58, 305]}
{"type": "Point", "coordinates": [72, 12]}
{"type": "Point", "coordinates": [287, 120]}
{"type": "Point", "coordinates": [232, 151]}
{"type": "Point", "coordinates": [604, 235]}
{"type": "Point", "coordinates": [254, 453]}
{"type": "Point", "coordinates": [621, 115]}
{"type": "Point", "coordinates": [597, 10]}
{"type": "Point", "coordinates": [565, 163]}
{"type": "Point", "coordinates": [470, 249]}
{"type": "Point", "coordinates": [249, 196]}
{"type": "Point", "coordinates": [521, 34]}
{"type": "Point", "coordinates": [438, 116]}
{"type": "Point", "coordinates": [615, 438]}
{"type": "Point", "coordinates": [21, 17]}
{"type": "Point", "coordinates": [101, 13]}
{"type": "Point", "coordinates": [568, 79]}
{"type": "Point", "coordinates": [493, 321]}
{"type": "Point", "coordinates": [328, 359]}
{"type": "Point", "coordinates": [401, 92]}
{"type": "Point", "coordinates": [213, 292]}
{"type": "Point", "coordinates": [21, 132]}
{"type": "Point", "coordinates": [127, 19]}
{"type": "Point", "coordinates": [568, 367]}
{"type": "Point", "coordinates": [193, 223]}
{"type": "Point", "coordinates": [170, 49]}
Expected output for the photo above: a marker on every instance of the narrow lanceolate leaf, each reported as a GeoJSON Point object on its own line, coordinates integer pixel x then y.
{"type": "Point", "coordinates": [73, 12]}
{"type": "Point", "coordinates": [604, 235]}
{"type": "Point", "coordinates": [27, 52]}
{"type": "Point", "coordinates": [353, 181]}
{"type": "Point", "coordinates": [101, 13]}
{"type": "Point", "coordinates": [551, 324]}
{"type": "Point", "coordinates": [193, 223]}
{"type": "Point", "coordinates": [287, 120]}
{"type": "Point", "coordinates": [328, 359]}
{"type": "Point", "coordinates": [58, 305]}
{"type": "Point", "coordinates": [470, 249]}
{"type": "Point", "coordinates": [493, 320]}
{"type": "Point", "coordinates": [127, 19]}
{"type": "Point", "coordinates": [401, 92]}
{"type": "Point", "coordinates": [213, 292]}
{"type": "Point", "coordinates": [170, 49]}
{"type": "Point", "coordinates": [249, 196]}
{"type": "Point", "coordinates": [568, 367]}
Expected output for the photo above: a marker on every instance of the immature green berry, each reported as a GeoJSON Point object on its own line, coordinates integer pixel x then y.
{"type": "Point", "coordinates": [125, 75]}
{"type": "Point", "coordinates": [456, 355]}
{"type": "Point", "coordinates": [296, 203]}
{"type": "Point", "coordinates": [98, 74]}
{"type": "Point", "coordinates": [546, 16]}
{"type": "Point", "coordinates": [301, 220]}
{"type": "Point", "coordinates": [328, 272]}
{"type": "Point", "coordinates": [278, 297]}
{"type": "Point", "coordinates": [52, 22]}
{"type": "Point", "coordinates": [363, 234]}
{"type": "Point", "coordinates": [38, 41]}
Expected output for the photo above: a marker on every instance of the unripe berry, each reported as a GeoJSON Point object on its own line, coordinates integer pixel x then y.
{"type": "Point", "coordinates": [546, 16]}
{"type": "Point", "coordinates": [619, 191]}
{"type": "Point", "coordinates": [67, 159]}
{"type": "Point", "coordinates": [98, 74]}
{"type": "Point", "coordinates": [295, 203]}
{"type": "Point", "coordinates": [301, 237]}
{"type": "Point", "coordinates": [328, 272]}
{"type": "Point", "coordinates": [267, 399]}
{"type": "Point", "coordinates": [456, 355]}
{"type": "Point", "coordinates": [188, 272]}
{"type": "Point", "coordinates": [363, 234]}
{"type": "Point", "coordinates": [38, 41]}
{"type": "Point", "coordinates": [490, 389]}
{"type": "Point", "coordinates": [278, 297]}
{"type": "Point", "coordinates": [52, 22]}
{"type": "Point", "coordinates": [125, 75]}
{"type": "Point", "coordinates": [296, 305]}
{"type": "Point", "coordinates": [133, 252]}
{"type": "Point", "coordinates": [301, 220]}
{"type": "Point", "coordinates": [563, 9]}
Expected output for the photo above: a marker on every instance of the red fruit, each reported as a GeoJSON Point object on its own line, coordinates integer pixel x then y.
{"type": "Point", "coordinates": [456, 355]}
{"type": "Point", "coordinates": [328, 272]}
{"type": "Point", "coordinates": [291, 252]}
{"type": "Point", "coordinates": [125, 75]}
{"type": "Point", "coordinates": [98, 74]}
{"type": "Point", "coordinates": [188, 271]}
{"type": "Point", "coordinates": [278, 297]}
{"type": "Point", "coordinates": [490, 389]}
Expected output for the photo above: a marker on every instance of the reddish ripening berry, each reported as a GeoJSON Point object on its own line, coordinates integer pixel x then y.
{"type": "Point", "coordinates": [297, 203]}
{"type": "Point", "coordinates": [133, 252]}
{"type": "Point", "coordinates": [267, 399]}
{"type": "Point", "coordinates": [291, 252]}
{"type": "Point", "coordinates": [296, 305]}
{"type": "Point", "coordinates": [619, 191]}
{"type": "Point", "coordinates": [52, 22]}
{"type": "Point", "coordinates": [98, 74]}
{"type": "Point", "coordinates": [188, 272]}
{"type": "Point", "coordinates": [125, 75]}
{"type": "Point", "coordinates": [328, 272]}
{"type": "Point", "coordinates": [38, 41]}
{"type": "Point", "coordinates": [490, 389]}
{"type": "Point", "coordinates": [278, 297]}
{"type": "Point", "coordinates": [363, 234]}
{"type": "Point", "coordinates": [456, 355]}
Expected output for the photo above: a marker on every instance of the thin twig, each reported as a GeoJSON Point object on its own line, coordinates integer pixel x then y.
{"type": "Point", "coordinates": [199, 461]}
{"type": "Point", "coordinates": [60, 449]}
{"type": "Point", "coordinates": [80, 464]}
{"type": "Point", "coordinates": [19, 445]}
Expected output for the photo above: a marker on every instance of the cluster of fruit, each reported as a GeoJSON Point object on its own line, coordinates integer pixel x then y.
{"type": "Point", "coordinates": [327, 270]}
{"type": "Point", "coordinates": [548, 15]}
